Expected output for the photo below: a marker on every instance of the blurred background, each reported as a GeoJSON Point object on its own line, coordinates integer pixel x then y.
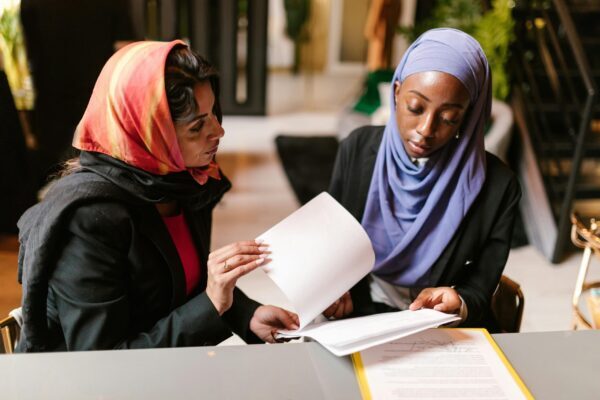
{"type": "Point", "coordinates": [297, 77]}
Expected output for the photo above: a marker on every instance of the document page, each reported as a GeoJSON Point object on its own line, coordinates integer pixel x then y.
{"type": "Point", "coordinates": [317, 254]}
{"type": "Point", "coordinates": [350, 335]}
{"type": "Point", "coordinates": [438, 364]}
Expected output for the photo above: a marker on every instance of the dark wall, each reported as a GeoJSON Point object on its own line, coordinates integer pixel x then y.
{"type": "Point", "coordinates": [68, 42]}
{"type": "Point", "coordinates": [16, 181]}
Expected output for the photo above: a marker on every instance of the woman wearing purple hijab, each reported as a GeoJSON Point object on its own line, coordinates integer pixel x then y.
{"type": "Point", "coordinates": [437, 207]}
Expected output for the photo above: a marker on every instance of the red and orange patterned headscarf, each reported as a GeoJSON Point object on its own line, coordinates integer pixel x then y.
{"type": "Point", "coordinates": [128, 115]}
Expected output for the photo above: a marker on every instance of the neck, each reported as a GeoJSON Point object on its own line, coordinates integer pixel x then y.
{"type": "Point", "coordinates": [168, 209]}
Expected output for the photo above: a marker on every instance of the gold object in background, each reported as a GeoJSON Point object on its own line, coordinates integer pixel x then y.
{"type": "Point", "coordinates": [589, 240]}
{"type": "Point", "coordinates": [593, 301]}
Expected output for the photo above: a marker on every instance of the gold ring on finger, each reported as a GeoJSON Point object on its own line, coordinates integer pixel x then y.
{"type": "Point", "coordinates": [225, 266]}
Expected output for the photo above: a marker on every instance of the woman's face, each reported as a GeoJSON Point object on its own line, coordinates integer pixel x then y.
{"type": "Point", "coordinates": [430, 107]}
{"type": "Point", "coordinates": [199, 139]}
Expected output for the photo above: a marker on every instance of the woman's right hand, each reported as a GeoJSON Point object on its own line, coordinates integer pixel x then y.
{"type": "Point", "coordinates": [226, 265]}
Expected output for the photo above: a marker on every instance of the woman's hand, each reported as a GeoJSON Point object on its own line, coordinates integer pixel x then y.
{"type": "Point", "coordinates": [443, 298]}
{"type": "Point", "coordinates": [267, 320]}
{"type": "Point", "coordinates": [226, 265]}
{"type": "Point", "coordinates": [341, 308]}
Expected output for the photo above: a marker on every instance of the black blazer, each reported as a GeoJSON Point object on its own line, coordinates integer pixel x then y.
{"type": "Point", "coordinates": [115, 279]}
{"type": "Point", "coordinates": [474, 259]}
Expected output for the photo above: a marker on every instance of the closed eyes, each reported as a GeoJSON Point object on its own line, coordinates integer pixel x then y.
{"type": "Point", "coordinates": [417, 111]}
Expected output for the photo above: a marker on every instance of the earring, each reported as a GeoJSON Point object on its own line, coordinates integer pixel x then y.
{"type": "Point", "coordinates": [457, 135]}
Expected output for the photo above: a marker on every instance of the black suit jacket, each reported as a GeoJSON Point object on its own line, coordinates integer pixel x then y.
{"type": "Point", "coordinates": [474, 259]}
{"type": "Point", "coordinates": [114, 277]}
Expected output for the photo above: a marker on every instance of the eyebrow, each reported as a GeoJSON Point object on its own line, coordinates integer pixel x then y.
{"type": "Point", "coordinates": [427, 99]}
{"type": "Point", "coordinates": [197, 117]}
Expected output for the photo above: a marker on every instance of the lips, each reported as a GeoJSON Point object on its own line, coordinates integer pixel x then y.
{"type": "Point", "coordinates": [418, 149]}
{"type": "Point", "coordinates": [213, 150]}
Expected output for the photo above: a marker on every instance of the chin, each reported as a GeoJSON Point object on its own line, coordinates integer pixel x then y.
{"type": "Point", "coordinates": [198, 164]}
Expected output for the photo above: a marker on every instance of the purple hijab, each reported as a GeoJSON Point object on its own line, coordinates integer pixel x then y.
{"type": "Point", "coordinates": [412, 212]}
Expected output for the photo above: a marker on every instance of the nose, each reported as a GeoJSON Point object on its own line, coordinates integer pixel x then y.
{"type": "Point", "coordinates": [217, 131]}
{"type": "Point", "coordinates": [425, 127]}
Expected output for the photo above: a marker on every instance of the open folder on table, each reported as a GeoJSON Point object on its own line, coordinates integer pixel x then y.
{"type": "Point", "coordinates": [317, 254]}
{"type": "Point", "coordinates": [438, 363]}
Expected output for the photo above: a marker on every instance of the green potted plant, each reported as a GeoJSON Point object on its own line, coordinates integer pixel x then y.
{"type": "Point", "coordinates": [492, 28]}
{"type": "Point", "coordinates": [14, 56]}
{"type": "Point", "coordinates": [297, 13]}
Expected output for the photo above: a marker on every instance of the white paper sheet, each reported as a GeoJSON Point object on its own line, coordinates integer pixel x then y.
{"type": "Point", "coordinates": [438, 364]}
{"type": "Point", "coordinates": [317, 254]}
{"type": "Point", "coordinates": [348, 336]}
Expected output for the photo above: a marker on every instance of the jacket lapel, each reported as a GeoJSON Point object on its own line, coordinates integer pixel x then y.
{"type": "Point", "coordinates": [441, 265]}
{"type": "Point", "coordinates": [152, 226]}
{"type": "Point", "coordinates": [366, 171]}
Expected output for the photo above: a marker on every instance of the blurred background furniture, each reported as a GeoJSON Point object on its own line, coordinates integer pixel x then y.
{"type": "Point", "coordinates": [307, 162]}
{"type": "Point", "coordinates": [589, 240]}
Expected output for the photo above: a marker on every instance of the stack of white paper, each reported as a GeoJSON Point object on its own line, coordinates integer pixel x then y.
{"type": "Point", "coordinates": [348, 336]}
{"type": "Point", "coordinates": [317, 254]}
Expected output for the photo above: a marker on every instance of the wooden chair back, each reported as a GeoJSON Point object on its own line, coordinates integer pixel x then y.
{"type": "Point", "coordinates": [9, 330]}
{"type": "Point", "coordinates": [507, 305]}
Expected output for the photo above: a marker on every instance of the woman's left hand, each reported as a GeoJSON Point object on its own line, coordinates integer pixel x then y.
{"type": "Point", "coordinates": [267, 320]}
{"type": "Point", "coordinates": [443, 298]}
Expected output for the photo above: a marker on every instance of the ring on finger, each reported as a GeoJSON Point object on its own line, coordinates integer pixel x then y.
{"type": "Point", "coordinates": [225, 266]}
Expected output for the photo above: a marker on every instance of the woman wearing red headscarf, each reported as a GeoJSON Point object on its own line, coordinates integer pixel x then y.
{"type": "Point", "coordinates": [117, 254]}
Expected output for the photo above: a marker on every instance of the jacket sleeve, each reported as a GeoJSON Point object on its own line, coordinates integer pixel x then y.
{"type": "Point", "coordinates": [481, 278]}
{"type": "Point", "coordinates": [239, 315]}
{"type": "Point", "coordinates": [93, 295]}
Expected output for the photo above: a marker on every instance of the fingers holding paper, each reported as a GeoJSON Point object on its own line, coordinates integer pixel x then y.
{"type": "Point", "coordinates": [226, 265]}
{"type": "Point", "coordinates": [267, 320]}
{"type": "Point", "coordinates": [443, 298]}
{"type": "Point", "coordinates": [249, 247]}
{"type": "Point", "coordinates": [341, 308]}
